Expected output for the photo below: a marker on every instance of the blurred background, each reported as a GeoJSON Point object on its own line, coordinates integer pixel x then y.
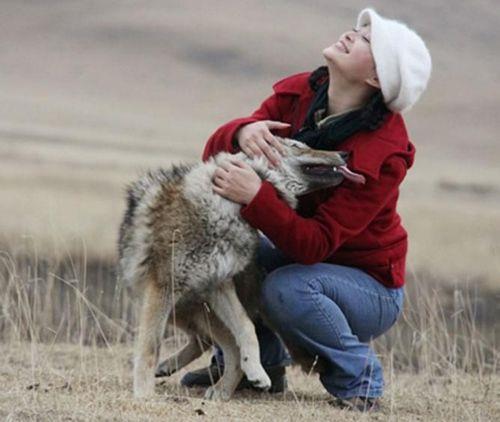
{"type": "Point", "coordinates": [94, 92]}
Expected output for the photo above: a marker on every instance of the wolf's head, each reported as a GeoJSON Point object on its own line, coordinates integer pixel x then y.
{"type": "Point", "coordinates": [304, 170]}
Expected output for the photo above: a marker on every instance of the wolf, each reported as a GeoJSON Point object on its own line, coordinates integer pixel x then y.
{"type": "Point", "coordinates": [182, 247]}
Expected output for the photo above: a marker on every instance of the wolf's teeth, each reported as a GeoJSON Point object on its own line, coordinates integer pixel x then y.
{"type": "Point", "coordinates": [335, 168]}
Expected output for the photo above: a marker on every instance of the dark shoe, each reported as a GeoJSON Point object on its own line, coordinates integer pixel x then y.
{"type": "Point", "coordinates": [205, 377]}
{"type": "Point", "coordinates": [277, 374]}
{"type": "Point", "coordinates": [362, 404]}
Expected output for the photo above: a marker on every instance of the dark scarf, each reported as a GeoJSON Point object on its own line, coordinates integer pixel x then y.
{"type": "Point", "coordinates": [331, 134]}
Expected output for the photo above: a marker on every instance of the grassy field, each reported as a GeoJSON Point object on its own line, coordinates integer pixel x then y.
{"type": "Point", "coordinates": [72, 382]}
{"type": "Point", "coordinates": [67, 329]}
{"type": "Point", "coordinates": [93, 92]}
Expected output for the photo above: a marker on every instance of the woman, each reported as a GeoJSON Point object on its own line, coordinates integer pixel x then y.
{"type": "Point", "coordinates": [336, 265]}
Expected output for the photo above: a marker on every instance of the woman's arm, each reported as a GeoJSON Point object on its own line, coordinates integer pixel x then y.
{"type": "Point", "coordinates": [348, 211]}
{"type": "Point", "coordinates": [224, 137]}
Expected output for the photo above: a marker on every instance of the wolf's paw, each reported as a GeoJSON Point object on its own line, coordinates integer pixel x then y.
{"type": "Point", "coordinates": [144, 389]}
{"type": "Point", "coordinates": [256, 376]}
{"type": "Point", "coordinates": [214, 393]}
{"type": "Point", "coordinates": [164, 370]}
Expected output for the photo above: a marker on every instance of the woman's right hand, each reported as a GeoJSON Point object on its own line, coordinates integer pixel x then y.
{"type": "Point", "coordinates": [256, 139]}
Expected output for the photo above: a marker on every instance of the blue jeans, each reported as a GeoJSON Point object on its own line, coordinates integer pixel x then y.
{"type": "Point", "coordinates": [330, 311]}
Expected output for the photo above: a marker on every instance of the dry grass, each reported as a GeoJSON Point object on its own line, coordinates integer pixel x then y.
{"type": "Point", "coordinates": [67, 332]}
{"type": "Point", "coordinates": [72, 382]}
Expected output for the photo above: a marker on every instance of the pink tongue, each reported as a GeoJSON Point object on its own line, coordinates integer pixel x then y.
{"type": "Point", "coordinates": [354, 177]}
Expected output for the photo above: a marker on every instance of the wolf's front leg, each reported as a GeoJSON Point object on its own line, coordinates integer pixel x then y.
{"type": "Point", "coordinates": [153, 316]}
{"type": "Point", "coordinates": [224, 388]}
{"type": "Point", "coordinates": [228, 308]}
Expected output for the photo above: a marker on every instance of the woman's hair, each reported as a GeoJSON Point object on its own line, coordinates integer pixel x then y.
{"type": "Point", "coordinates": [374, 111]}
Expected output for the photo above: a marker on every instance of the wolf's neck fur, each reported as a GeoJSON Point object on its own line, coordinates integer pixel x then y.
{"type": "Point", "coordinates": [198, 183]}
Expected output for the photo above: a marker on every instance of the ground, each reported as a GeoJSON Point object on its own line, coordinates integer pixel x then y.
{"type": "Point", "coordinates": [73, 383]}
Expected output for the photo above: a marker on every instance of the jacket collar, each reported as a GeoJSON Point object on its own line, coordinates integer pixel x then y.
{"type": "Point", "coordinates": [391, 138]}
{"type": "Point", "coordinates": [369, 150]}
{"type": "Point", "coordinates": [294, 85]}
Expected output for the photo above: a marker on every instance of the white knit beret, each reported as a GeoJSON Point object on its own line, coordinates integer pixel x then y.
{"type": "Point", "coordinates": [402, 60]}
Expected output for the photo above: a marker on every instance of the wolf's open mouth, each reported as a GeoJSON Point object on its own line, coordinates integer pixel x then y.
{"type": "Point", "coordinates": [327, 170]}
{"type": "Point", "coordinates": [319, 170]}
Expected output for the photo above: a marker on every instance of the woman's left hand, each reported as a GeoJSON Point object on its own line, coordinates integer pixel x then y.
{"type": "Point", "coordinates": [236, 181]}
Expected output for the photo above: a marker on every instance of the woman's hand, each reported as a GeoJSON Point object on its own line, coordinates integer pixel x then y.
{"type": "Point", "coordinates": [256, 139]}
{"type": "Point", "coordinates": [236, 181]}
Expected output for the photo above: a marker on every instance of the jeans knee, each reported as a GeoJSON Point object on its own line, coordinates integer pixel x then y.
{"type": "Point", "coordinates": [282, 294]}
{"type": "Point", "coordinates": [272, 294]}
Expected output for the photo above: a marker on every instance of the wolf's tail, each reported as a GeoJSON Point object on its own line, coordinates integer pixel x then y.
{"type": "Point", "coordinates": [134, 235]}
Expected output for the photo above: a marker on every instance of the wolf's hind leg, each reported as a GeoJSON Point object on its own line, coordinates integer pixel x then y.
{"type": "Point", "coordinates": [191, 351]}
{"type": "Point", "coordinates": [228, 308]}
{"type": "Point", "coordinates": [152, 321]}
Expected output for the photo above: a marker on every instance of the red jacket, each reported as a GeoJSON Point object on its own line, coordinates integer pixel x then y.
{"type": "Point", "coordinates": [351, 224]}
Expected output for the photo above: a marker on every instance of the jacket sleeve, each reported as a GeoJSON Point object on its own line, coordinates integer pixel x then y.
{"type": "Point", "coordinates": [345, 214]}
{"type": "Point", "coordinates": [222, 139]}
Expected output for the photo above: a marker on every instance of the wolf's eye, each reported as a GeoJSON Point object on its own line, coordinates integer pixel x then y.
{"type": "Point", "coordinates": [299, 145]}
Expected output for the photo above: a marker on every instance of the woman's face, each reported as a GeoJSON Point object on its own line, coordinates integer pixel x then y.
{"type": "Point", "coordinates": [352, 56]}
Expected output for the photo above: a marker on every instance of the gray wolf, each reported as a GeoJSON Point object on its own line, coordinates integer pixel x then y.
{"type": "Point", "coordinates": [181, 246]}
